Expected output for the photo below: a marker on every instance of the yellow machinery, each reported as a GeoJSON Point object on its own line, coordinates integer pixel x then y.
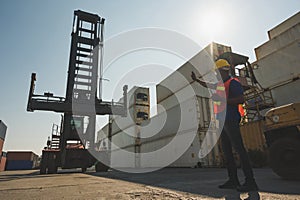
{"type": "Point", "coordinates": [282, 132]}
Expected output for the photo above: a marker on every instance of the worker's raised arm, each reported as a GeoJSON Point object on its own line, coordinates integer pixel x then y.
{"type": "Point", "coordinates": [204, 84]}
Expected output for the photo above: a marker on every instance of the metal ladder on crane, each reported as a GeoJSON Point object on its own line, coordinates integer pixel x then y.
{"type": "Point", "coordinates": [81, 103]}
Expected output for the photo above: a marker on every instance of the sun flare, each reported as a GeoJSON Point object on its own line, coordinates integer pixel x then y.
{"type": "Point", "coordinates": [213, 23]}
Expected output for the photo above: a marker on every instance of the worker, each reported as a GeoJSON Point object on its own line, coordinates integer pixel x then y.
{"type": "Point", "coordinates": [228, 95]}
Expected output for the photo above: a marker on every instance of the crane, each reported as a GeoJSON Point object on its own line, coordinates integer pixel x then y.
{"type": "Point", "coordinates": [82, 101]}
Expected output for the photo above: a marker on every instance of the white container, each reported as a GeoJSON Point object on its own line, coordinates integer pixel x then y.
{"type": "Point", "coordinates": [137, 96]}
{"type": "Point", "coordinates": [287, 24]}
{"type": "Point", "coordinates": [183, 156]}
{"type": "Point", "coordinates": [278, 67]}
{"type": "Point", "coordinates": [215, 49]}
{"type": "Point", "coordinates": [284, 39]}
{"type": "Point", "coordinates": [190, 157]}
{"type": "Point", "coordinates": [125, 138]}
{"type": "Point", "coordinates": [201, 64]}
{"type": "Point", "coordinates": [160, 131]}
{"type": "Point", "coordinates": [140, 113]}
{"type": "Point", "coordinates": [287, 93]}
{"type": "Point", "coordinates": [122, 159]}
{"type": "Point", "coordinates": [182, 95]}
{"type": "Point", "coordinates": [136, 115]}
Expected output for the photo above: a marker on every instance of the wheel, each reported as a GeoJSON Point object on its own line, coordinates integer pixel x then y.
{"type": "Point", "coordinates": [100, 167]}
{"type": "Point", "coordinates": [43, 165]}
{"type": "Point", "coordinates": [43, 169]}
{"type": "Point", "coordinates": [284, 157]}
{"type": "Point", "coordinates": [52, 167]}
{"type": "Point", "coordinates": [83, 170]}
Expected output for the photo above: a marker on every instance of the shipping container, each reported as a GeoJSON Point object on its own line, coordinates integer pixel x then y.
{"type": "Point", "coordinates": [139, 113]}
{"type": "Point", "coordinates": [182, 95]}
{"type": "Point", "coordinates": [215, 50]}
{"type": "Point", "coordinates": [3, 129]}
{"type": "Point", "coordinates": [163, 152]}
{"type": "Point", "coordinates": [102, 133]}
{"type": "Point", "coordinates": [201, 64]}
{"type": "Point", "coordinates": [21, 155]}
{"type": "Point", "coordinates": [184, 116]}
{"type": "Point", "coordinates": [285, 25]}
{"type": "Point", "coordinates": [287, 93]}
{"type": "Point", "coordinates": [275, 44]}
{"type": "Point", "coordinates": [137, 96]}
{"type": "Point", "coordinates": [160, 130]}
{"type": "Point", "coordinates": [19, 165]}
{"type": "Point", "coordinates": [136, 115]}
{"type": "Point", "coordinates": [125, 138]}
{"type": "Point", "coordinates": [279, 67]}
{"type": "Point", "coordinates": [124, 158]}
{"type": "Point", "coordinates": [177, 141]}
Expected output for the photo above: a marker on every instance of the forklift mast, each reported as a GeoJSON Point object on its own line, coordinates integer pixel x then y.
{"type": "Point", "coordinates": [81, 103]}
{"type": "Point", "coordinates": [82, 77]}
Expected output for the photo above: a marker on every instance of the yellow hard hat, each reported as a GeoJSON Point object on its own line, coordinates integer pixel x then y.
{"type": "Point", "coordinates": [222, 64]}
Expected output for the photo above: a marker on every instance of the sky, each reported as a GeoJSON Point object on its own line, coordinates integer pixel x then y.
{"type": "Point", "coordinates": [35, 37]}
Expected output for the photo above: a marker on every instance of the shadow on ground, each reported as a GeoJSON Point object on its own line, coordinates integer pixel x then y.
{"type": "Point", "coordinates": [205, 181]}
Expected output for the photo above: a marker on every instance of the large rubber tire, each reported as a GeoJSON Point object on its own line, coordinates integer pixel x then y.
{"type": "Point", "coordinates": [285, 158]}
{"type": "Point", "coordinates": [43, 169]}
{"type": "Point", "coordinates": [83, 170]}
{"type": "Point", "coordinates": [52, 167]}
{"type": "Point", "coordinates": [44, 163]}
{"type": "Point", "coordinates": [100, 167]}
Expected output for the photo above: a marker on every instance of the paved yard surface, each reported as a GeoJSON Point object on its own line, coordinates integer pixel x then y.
{"type": "Point", "coordinates": [171, 183]}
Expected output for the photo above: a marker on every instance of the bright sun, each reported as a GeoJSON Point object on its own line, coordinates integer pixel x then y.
{"type": "Point", "coordinates": [212, 24]}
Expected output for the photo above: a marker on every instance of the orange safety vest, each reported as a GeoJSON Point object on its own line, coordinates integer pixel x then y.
{"type": "Point", "coordinates": [223, 91]}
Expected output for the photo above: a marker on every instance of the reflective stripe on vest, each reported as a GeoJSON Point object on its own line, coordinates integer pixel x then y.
{"type": "Point", "coordinates": [223, 91]}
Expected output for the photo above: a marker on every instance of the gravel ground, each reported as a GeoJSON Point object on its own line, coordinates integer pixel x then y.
{"type": "Point", "coordinates": [169, 184]}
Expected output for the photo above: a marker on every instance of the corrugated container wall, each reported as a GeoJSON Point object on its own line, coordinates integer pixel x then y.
{"type": "Point", "coordinates": [215, 50]}
{"type": "Point", "coordinates": [21, 155]}
{"type": "Point", "coordinates": [19, 165]}
{"type": "Point", "coordinates": [3, 129]}
{"type": "Point", "coordinates": [278, 67]}
{"type": "Point", "coordinates": [275, 44]}
{"type": "Point", "coordinates": [201, 64]}
{"type": "Point", "coordinates": [137, 96]}
{"type": "Point", "coordinates": [287, 24]}
{"type": "Point", "coordinates": [138, 110]}
{"type": "Point", "coordinates": [278, 62]}
{"type": "Point", "coordinates": [21, 160]}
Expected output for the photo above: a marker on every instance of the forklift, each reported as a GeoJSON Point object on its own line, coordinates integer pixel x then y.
{"type": "Point", "coordinates": [76, 147]}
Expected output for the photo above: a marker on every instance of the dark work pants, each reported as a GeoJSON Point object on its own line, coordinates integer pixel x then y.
{"type": "Point", "coordinates": [231, 137]}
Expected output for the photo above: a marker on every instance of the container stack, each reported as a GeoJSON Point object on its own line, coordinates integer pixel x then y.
{"type": "Point", "coordinates": [277, 69]}
{"type": "Point", "coordinates": [21, 160]}
{"type": "Point", "coordinates": [3, 129]}
{"type": "Point", "coordinates": [172, 94]}
{"type": "Point", "coordinates": [177, 96]}
{"type": "Point", "coordinates": [124, 131]}
{"type": "Point", "coordinates": [183, 108]}
{"type": "Point", "coordinates": [278, 62]}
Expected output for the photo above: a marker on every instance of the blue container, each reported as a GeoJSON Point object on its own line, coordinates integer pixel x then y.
{"type": "Point", "coordinates": [18, 164]}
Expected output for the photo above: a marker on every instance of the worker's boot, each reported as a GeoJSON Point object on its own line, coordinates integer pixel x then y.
{"type": "Point", "coordinates": [249, 185]}
{"type": "Point", "coordinates": [232, 183]}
